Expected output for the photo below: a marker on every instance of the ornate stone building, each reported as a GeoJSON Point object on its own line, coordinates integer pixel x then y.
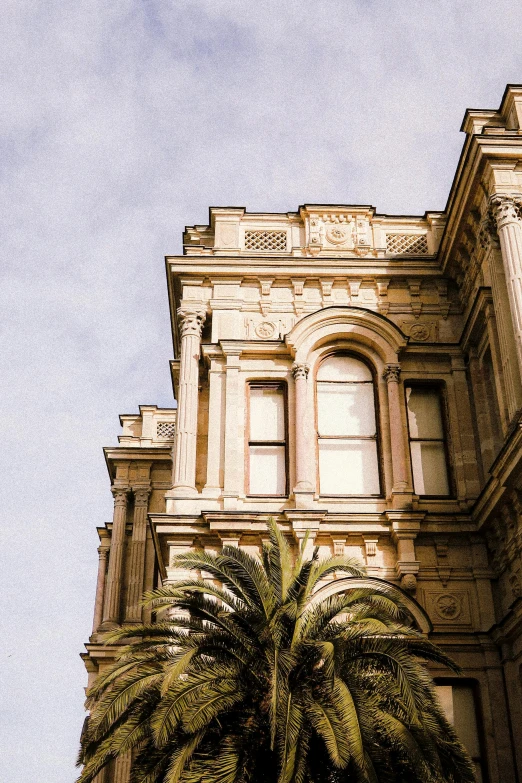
{"type": "Point", "coordinates": [359, 376]}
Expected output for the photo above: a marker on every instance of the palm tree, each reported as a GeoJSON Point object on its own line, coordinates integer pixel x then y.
{"type": "Point", "coordinates": [248, 681]}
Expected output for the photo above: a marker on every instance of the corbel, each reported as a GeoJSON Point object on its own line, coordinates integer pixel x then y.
{"type": "Point", "coordinates": [441, 551]}
{"type": "Point", "coordinates": [404, 530]}
{"type": "Point", "coordinates": [354, 285]}
{"type": "Point", "coordinates": [326, 288]}
{"type": "Point", "coordinates": [298, 286]}
{"type": "Point", "coordinates": [370, 546]}
{"type": "Point", "coordinates": [416, 304]}
{"type": "Point", "coordinates": [444, 304]}
{"type": "Point", "coordinates": [266, 287]}
{"type": "Point", "coordinates": [383, 304]}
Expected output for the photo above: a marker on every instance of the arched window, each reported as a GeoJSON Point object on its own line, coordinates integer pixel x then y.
{"type": "Point", "coordinates": [347, 428]}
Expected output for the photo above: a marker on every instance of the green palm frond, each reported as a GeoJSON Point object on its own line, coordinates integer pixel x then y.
{"type": "Point", "coordinates": [262, 680]}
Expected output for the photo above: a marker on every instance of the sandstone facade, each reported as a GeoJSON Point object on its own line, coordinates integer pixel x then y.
{"type": "Point", "coordinates": [358, 376]}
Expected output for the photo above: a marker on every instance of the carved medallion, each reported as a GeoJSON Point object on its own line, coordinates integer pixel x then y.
{"type": "Point", "coordinates": [447, 606]}
{"type": "Point", "coordinates": [265, 330]}
{"type": "Point", "coordinates": [337, 235]}
{"type": "Point", "coordinates": [420, 332]}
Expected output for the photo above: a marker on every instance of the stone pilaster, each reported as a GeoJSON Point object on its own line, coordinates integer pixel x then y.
{"type": "Point", "coordinates": [191, 321]}
{"type": "Point", "coordinates": [507, 212]}
{"type": "Point", "coordinates": [111, 609]}
{"type": "Point", "coordinates": [232, 475]}
{"type": "Point", "coordinates": [216, 380]}
{"type": "Point", "coordinates": [401, 491]}
{"type": "Point", "coordinates": [303, 489]}
{"type": "Point", "coordinates": [103, 554]}
{"type": "Point", "coordinates": [137, 556]}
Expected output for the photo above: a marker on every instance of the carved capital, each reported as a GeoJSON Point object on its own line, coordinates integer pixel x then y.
{"type": "Point", "coordinates": [120, 495]}
{"type": "Point", "coordinates": [505, 209]}
{"type": "Point", "coordinates": [392, 373]}
{"type": "Point", "coordinates": [103, 552]}
{"type": "Point", "coordinates": [141, 496]}
{"type": "Point", "coordinates": [191, 320]}
{"type": "Point", "coordinates": [300, 371]}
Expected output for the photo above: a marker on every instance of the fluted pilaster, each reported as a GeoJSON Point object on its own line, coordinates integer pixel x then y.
{"type": "Point", "coordinates": [302, 468]}
{"type": "Point", "coordinates": [103, 554]}
{"type": "Point", "coordinates": [507, 213]}
{"type": "Point", "coordinates": [137, 556]}
{"type": "Point", "coordinates": [111, 610]}
{"type": "Point", "coordinates": [191, 325]}
{"type": "Point", "coordinates": [401, 482]}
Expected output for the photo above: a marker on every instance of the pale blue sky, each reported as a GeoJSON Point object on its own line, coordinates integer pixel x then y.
{"type": "Point", "coordinates": [121, 121]}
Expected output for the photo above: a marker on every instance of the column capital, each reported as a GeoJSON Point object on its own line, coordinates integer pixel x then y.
{"type": "Point", "coordinates": [300, 370]}
{"type": "Point", "coordinates": [103, 552]}
{"type": "Point", "coordinates": [141, 496]}
{"type": "Point", "coordinates": [505, 208]}
{"type": "Point", "coordinates": [120, 495]}
{"type": "Point", "coordinates": [392, 373]}
{"type": "Point", "coordinates": [191, 320]}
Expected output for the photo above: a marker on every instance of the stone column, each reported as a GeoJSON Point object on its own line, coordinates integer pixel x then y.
{"type": "Point", "coordinates": [507, 211]}
{"type": "Point", "coordinates": [401, 481]}
{"type": "Point", "coordinates": [103, 553]}
{"type": "Point", "coordinates": [303, 489]}
{"type": "Point", "coordinates": [137, 556]}
{"type": "Point", "coordinates": [191, 321]}
{"type": "Point", "coordinates": [111, 609]}
{"type": "Point", "coordinates": [506, 337]}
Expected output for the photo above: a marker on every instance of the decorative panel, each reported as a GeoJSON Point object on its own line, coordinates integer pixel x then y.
{"type": "Point", "coordinates": [407, 244]}
{"type": "Point", "coordinates": [265, 240]}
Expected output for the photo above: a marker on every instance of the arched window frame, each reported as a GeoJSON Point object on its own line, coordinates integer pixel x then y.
{"type": "Point", "coordinates": [375, 386]}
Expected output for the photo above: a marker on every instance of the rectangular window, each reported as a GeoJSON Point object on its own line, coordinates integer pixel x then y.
{"type": "Point", "coordinates": [267, 440]}
{"type": "Point", "coordinates": [458, 703]}
{"type": "Point", "coordinates": [427, 440]}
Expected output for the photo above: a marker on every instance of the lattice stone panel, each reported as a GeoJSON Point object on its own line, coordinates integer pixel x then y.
{"type": "Point", "coordinates": [265, 240]}
{"type": "Point", "coordinates": [165, 430]}
{"type": "Point", "coordinates": [402, 244]}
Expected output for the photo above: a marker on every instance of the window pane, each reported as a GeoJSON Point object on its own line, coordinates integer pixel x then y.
{"type": "Point", "coordinates": [424, 414]}
{"type": "Point", "coordinates": [343, 368]}
{"type": "Point", "coordinates": [267, 414]}
{"type": "Point", "coordinates": [430, 473]}
{"type": "Point", "coordinates": [348, 467]}
{"type": "Point", "coordinates": [465, 719]}
{"type": "Point", "coordinates": [267, 470]}
{"type": "Point", "coordinates": [458, 703]}
{"type": "Point", "coordinates": [345, 409]}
